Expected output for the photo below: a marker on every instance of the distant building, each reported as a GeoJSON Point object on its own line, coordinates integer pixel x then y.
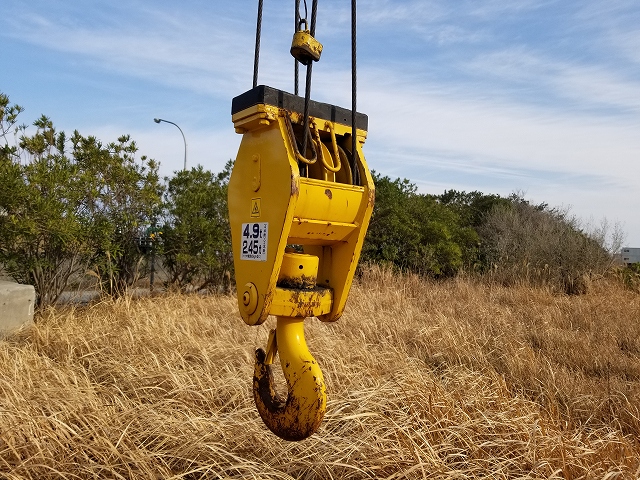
{"type": "Point", "coordinates": [630, 255]}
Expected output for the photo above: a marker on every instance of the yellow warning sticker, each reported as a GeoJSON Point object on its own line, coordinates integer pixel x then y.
{"type": "Point", "coordinates": [255, 207]}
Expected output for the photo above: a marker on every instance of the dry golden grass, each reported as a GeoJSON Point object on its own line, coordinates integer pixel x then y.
{"type": "Point", "coordinates": [443, 380]}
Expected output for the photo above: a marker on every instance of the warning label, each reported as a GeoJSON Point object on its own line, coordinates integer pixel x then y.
{"type": "Point", "coordinates": [255, 207]}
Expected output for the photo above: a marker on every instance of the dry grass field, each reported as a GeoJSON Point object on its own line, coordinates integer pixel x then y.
{"type": "Point", "coordinates": [425, 380]}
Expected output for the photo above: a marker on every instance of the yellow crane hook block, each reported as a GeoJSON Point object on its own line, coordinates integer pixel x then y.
{"type": "Point", "coordinates": [298, 220]}
{"type": "Point", "coordinates": [279, 197]}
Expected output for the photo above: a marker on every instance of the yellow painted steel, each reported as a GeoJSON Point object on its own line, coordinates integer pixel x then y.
{"type": "Point", "coordinates": [327, 219]}
{"type": "Point", "coordinates": [298, 271]}
{"type": "Point", "coordinates": [297, 223]}
{"type": "Point", "coordinates": [300, 414]}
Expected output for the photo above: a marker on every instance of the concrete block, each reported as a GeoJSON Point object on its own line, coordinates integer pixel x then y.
{"type": "Point", "coordinates": [16, 306]}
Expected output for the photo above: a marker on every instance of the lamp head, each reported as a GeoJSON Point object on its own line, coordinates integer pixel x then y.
{"type": "Point", "coordinates": [157, 120]}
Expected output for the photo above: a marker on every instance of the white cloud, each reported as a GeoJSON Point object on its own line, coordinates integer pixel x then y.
{"type": "Point", "coordinates": [586, 86]}
{"type": "Point", "coordinates": [386, 12]}
{"type": "Point", "coordinates": [443, 139]}
{"type": "Point", "coordinates": [160, 57]}
{"type": "Point", "coordinates": [488, 9]}
{"type": "Point", "coordinates": [509, 134]}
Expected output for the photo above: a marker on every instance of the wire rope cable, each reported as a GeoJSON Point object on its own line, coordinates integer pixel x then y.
{"type": "Point", "coordinates": [354, 98]}
{"type": "Point", "coordinates": [307, 92]}
{"type": "Point", "coordinates": [307, 95]}
{"type": "Point", "coordinates": [296, 67]}
{"type": "Point", "coordinates": [256, 58]}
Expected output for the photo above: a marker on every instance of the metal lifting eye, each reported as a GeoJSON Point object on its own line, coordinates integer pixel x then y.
{"type": "Point", "coordinates": [300, 414]}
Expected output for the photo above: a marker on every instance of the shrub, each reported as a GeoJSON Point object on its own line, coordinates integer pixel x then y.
{"type": "Point", "coordinates": [122, 198]}
{"type": "Point", "coordinates": [197, 238]}
{"type": "Point", "coordinates": [415, 232]}
{"type": "Point", "coordinates": [62, 213]}
{"type": "Point", "coordinates": [534, 244]}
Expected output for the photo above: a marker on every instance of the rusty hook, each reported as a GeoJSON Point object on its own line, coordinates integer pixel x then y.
{"type": "Point", "coordinates": [300, 414]}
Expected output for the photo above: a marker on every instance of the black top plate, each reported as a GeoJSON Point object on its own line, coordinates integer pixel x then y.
{"type": "Point", "coordinates": [278, 98]}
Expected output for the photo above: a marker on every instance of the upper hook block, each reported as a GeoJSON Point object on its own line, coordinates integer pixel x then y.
{"type": "Point", "coordinates": [305, 48]}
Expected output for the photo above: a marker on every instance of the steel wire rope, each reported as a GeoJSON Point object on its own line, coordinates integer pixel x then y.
{"type": "Point", "coordinates": [296, 69]}
{"type": "Point", "coordinates": [256, 58]}
{"type": "Point", "coordinates": [354, 87]}
{"type": "Point", "coordinates": [307, 92]}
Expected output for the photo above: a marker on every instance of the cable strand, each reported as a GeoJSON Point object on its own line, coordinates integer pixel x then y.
{"type": "Point", "coordinates": [307, 91]}
{"type": "Point", "coordinates": [354, 97]}
{"type": "Point", "coordinates": [296, 67]}
{"type": "Point", "coordinates": [256, 58]}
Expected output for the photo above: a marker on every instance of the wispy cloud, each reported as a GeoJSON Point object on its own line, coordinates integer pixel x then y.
{"type": "Point", "coordinates": [511, 135]}
{"type": "Point", "coordinates": [560, 84]}
{"type": "Point", "coordinates": [181, 51]}
{"type": "Point", "coordinates": [490, 9]}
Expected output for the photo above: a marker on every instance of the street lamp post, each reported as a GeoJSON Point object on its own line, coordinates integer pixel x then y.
{"type": "Point", "coordinates": [158, 120]}
{"type": "Point", "coordinates": [153, 244]}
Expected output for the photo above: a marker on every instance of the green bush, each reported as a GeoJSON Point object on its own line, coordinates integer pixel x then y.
{"type": "Point", "coordinates": [196, 235]}
{"type": "Point", "coordinates": [63, 213]}
{"type": "Point", "coordinates": [43, 239]}
{"type": "Point", "coordinates": [630, 276]}
{"type": "Point", "coordinates": [122, 199]}
{"type": "Point", "coordinates": [416, 232]}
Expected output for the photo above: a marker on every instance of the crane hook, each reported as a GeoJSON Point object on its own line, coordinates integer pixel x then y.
{"type": "Point", "coordinates": [300, 414]}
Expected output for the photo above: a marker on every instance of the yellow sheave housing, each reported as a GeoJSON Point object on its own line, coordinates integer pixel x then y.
{"type": "Point", "coordinates": [272, 204]}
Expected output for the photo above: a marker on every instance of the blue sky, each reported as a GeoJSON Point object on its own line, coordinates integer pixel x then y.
{"type": "Point", "coordinates": [540, 97]}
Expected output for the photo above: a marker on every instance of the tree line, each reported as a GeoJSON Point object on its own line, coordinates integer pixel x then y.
{"type": "Point", "coordinates": [509, 240]}
{"type": "Point", "coordinates": [75, 207]}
